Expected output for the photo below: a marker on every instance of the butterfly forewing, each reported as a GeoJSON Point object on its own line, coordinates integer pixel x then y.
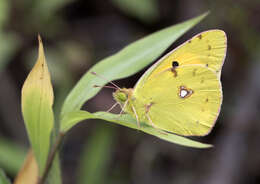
{"type": "Point", "coordinates": [207, 48]}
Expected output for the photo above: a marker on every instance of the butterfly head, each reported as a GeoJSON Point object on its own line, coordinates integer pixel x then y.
{"type": "Point", "coordinates": [122, 95]}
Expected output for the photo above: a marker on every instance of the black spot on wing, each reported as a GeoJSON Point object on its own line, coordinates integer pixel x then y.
{"type": "Point", "coordinates": [175, 64]}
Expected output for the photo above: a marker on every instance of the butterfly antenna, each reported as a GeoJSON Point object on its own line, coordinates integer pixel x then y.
{"type": "Point", "coordinates": [111, 87]}
{"type": "Point", "coordinates": [100, 76]}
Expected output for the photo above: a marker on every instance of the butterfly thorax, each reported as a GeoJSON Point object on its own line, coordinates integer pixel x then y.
{"type": "Point", "coordinates": [123, 95]}
{"type": "Point", "coordinates": [130, 103]}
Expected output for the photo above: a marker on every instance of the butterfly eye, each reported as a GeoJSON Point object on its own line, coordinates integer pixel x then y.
{"type": "Point", "coordinates": [175, 64]}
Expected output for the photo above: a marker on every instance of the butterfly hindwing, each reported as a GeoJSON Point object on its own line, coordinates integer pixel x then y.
{"type": "Point", "coordinates": [186, 104]}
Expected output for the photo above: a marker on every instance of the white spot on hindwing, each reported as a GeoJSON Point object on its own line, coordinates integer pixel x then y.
{"type": "Point", "coordinates": [185, 92]}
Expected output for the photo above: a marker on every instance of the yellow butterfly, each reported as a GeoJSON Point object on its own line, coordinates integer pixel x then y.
{"type": "Point", "coordinates": [181, 93]}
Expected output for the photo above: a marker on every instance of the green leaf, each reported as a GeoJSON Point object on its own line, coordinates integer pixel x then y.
{"type": "Point", "coordinates": [8, 45]}
{"type": "Point", "coordinates": [37, 100]}
{"type": "Point", "coordinates": [94, 159]}
{"type": "Point", "coordinates": [11, 156]}
{"type": "Point", "coordinates": [4, 12]}
{"type": "Point", "coordinates": [145, 10]}
{"type": "Point", "coordinates": [50, 6]}
{"type": "Point", "coordinates": [127, 62]}
{"type": "Point", "coordinates": [126, 120]}
{"type": "Point", "coordinates": [3, 178]}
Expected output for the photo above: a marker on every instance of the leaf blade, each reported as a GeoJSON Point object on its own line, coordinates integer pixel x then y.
{"type": "Point", "coordinates": [11, 156]}
{"type": "Point", "coordinates": [135, 57]}
{"type": "Point", "coordinates": [3, 178]}
{"type": "Point", "coordinates": [37, 101]}
{"type": "Point", "coordinates": [145, 10]}
{"type": "Point", "coordinates": [126, 120]}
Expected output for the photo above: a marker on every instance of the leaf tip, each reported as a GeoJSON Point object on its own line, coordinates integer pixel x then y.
{"type": "Point", "coordinates": [41, 49]}
{"type": "Point", "coordinates": [39, 38]}
{"type": "Point", "coordinates": [205, 14]}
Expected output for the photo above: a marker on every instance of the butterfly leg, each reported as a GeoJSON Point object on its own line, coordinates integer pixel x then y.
{"type": "Point", "coordinates": [136, 116]}
{"type": "Point", "coordinates": [153, 125]}
{"type": "Point", "coordinates": [113, 106]}
{"type": "Point", "coordinates": [147, 108]}
{"type": "Point", "coordinates": [122, 110]}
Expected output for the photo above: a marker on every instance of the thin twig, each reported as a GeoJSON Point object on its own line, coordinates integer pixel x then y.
{"type": "Point", "coordinates": [51, 157]}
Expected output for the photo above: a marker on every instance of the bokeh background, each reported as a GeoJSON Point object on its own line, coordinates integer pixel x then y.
{"type": "Point", "coordinates": [79, 33]}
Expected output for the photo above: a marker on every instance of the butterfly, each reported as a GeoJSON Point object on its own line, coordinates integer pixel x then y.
{"type": "Point", "coordinates": [181, 93]}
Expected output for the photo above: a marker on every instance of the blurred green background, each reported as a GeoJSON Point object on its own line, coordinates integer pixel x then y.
{"type": "Point", "coordinates": [79, 33]}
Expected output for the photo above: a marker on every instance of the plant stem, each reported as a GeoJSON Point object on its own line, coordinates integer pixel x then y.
{"type": "Point", "coordinates": [51, 157]}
